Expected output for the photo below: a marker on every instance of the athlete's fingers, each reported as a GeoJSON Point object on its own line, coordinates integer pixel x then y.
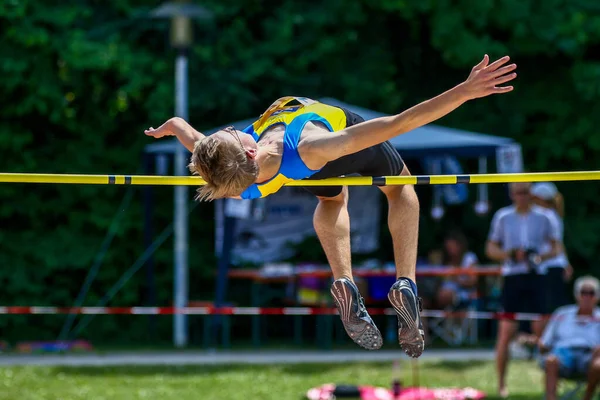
{"type": "Point", "coordinates": [505, 78]}
{"type": "Point", "coordinates": [502, 89]}
{"type": "Point", "coordinates": [503, 70]}
{"type": "Point", "coordinates": [498, 63]}
{"type": "Point", "coordinates": [482, 64]}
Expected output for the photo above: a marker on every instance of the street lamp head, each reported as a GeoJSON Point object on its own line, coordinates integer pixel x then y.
{"type": "Point", "coordinates": [181, 13]}
{"type": "Point", "coordinates": [181, 8]}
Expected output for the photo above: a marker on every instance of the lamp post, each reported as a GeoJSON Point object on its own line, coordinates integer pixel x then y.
{"type": "Point", "coordinates": [181, 12]}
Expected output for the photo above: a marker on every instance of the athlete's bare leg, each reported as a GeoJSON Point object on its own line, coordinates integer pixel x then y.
{"type": "Point", "coordinates": [332, 224]}
{"type": "Point", "coordinates": [403, 222]}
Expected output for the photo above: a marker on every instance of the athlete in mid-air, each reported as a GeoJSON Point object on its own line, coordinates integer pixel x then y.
{"type": "Point", "coordinates": [298, 138]}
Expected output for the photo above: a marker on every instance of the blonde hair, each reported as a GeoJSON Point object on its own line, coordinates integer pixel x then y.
{"type": "Point", "coordinates": [224, 166]}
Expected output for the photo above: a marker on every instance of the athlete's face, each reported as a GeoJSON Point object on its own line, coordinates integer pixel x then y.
{"type": "Point", "coordinates": [237, 138]}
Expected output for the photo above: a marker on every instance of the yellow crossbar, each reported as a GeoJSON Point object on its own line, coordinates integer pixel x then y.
{"type": "Point", "coordinates": [343, 181]}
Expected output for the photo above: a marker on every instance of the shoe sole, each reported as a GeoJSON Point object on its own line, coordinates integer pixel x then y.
{"type": "Point", "coordinates": [361, 332]}
{"type": "Point", "coordinates": [409, 337]}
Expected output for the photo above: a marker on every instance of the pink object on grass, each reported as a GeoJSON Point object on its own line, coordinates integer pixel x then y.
{"type": "Point", "coordinates": [324, 392]}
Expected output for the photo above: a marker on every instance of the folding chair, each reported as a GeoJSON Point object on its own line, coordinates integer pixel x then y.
{"type": "Point", "coordinates": [575, 392]}
{"type": "Point", "coordinates": [456, 331]}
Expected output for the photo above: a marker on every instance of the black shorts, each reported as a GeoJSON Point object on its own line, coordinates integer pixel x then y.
{"type": "Point", "coordinates": [556, 295]}
{"type": "Point", "coordinates": [524, 293]}
{"type": "Point", "coordinates": [378, 160]}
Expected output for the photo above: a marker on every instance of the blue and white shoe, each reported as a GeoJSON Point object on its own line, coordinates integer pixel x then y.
{"type": "Point", "coordinates": [408, 306]}
{"type": "Point", "coordinates": [355, 318]}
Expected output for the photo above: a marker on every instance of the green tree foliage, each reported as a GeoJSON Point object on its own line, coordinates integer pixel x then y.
{"type": "Point", "coordinates": [80, 82]}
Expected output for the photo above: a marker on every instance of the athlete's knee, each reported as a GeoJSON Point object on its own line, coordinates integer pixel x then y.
{"type": "Point", "coordinates": [406, 194]}
{"type": "Point", "coordinates": [404, 197]}
{"type": "Point", "coordinates": [411, 196]}
{"type": "Point", "coordinates": [410, 192]}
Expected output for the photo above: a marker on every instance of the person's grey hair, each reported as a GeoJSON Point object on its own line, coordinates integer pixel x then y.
{"type": "Point", "coordinates": [587, 280]}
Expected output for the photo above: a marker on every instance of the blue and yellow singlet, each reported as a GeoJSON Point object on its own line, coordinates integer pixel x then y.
{"type": "Point", "coordinates": [294, 118]}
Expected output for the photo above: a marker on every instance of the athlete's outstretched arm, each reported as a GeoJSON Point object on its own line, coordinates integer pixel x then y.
{"type": "Point", "coordinates": [177, 127]}
{"type": "Point", "coordinates": [482, 81]}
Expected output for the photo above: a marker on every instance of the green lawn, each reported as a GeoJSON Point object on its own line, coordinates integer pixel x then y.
{"type": "Point", "coordinates": [280, 382]}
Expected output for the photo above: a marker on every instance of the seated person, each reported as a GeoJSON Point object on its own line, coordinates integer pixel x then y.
{"type": "Point", "coordinates": [457, 289]}
{"type": "Point", "coordinates": [572, 340]}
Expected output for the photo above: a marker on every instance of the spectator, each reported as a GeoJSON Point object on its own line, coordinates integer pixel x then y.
{"type": "Point", "coordinates": [572, 339]}
{"type": "Point", "coordinates": [517, 238]}
{"type": "Point", "coordinates": [558, 269]}
{"type": "Point", "coordinates": [460, 288]}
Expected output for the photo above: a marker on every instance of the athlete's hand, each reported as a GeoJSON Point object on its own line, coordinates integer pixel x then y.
{"type": "Point", "coordinates": [159, 132]}
{"type": "Point", "coordinates": [485, 78]}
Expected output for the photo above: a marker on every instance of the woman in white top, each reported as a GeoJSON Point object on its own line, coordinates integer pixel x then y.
{"type": "Point", "coordinates": [558, 269]}
{"type": "Point", "coordinates": [458, 288]}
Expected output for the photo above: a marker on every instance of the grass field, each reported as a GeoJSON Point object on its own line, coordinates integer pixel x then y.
{"type": "Point", "coordinates": [278, 382]}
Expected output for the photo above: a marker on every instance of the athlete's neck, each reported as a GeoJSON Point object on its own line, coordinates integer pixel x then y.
{"type": "Point", "coordinates": [269, 160]}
